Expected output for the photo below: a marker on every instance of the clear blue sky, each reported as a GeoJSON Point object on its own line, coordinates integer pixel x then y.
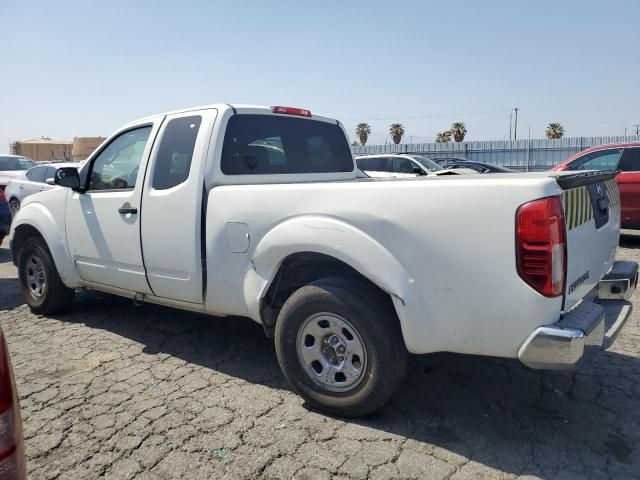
{"type": "Point", "coordinates": [82, 68]}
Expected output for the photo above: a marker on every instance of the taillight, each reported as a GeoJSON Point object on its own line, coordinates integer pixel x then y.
{"type": "Point", "coordinates": [12, 462]}
{"type": "Point", "coordinates": [301, 112]}
{"type": "Point", "coordinates": [541, 245]}
{"type": "Point", "coordinates": [3, 197]}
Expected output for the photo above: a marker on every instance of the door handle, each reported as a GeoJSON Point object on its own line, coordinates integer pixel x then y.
{"type": "Point", "coordinates": [126, 208]}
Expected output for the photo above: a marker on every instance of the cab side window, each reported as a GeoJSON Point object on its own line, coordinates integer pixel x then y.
{"type": "Point", "coordinates": [116, 167]}
{"type": "Point", "coordinates": [630, 161]}
{"type": "Point", "coordinates": [601, 160]}
{"type": "Point", "coordinates": [173, 163]}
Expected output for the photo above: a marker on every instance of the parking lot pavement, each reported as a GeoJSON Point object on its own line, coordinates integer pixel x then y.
{"type": "Point", "coordinates": [111, 390]}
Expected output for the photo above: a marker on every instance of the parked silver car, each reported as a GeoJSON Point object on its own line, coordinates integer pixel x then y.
{"type": "Point", "coordinates": [36, 179]}
{"type": "Point", "coordinates": [12, 166]}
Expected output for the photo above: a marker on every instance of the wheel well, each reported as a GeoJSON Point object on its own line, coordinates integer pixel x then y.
{"type": "Point", "coordinates": [21, 234]}
{"type": "Point", "coordinates": [298, 270]}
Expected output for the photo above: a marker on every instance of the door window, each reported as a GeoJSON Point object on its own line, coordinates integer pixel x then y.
{"type": "Point", "coordinates": [600, 160]}
{"type": "Point", "coordinates": [630, 161]}
{"type": "Point", "coordinates": [403, 165]}
{"type": "Point", "coordinates": [36, 174]}
{"type": "Point", "coordinates": [175, 152]}
{"type": "Point", "coordinates": [377, 164]}
{"type": "Point", "coordinates": [51, 172]}
{"type": "Point", "coordinates": [116, 167]}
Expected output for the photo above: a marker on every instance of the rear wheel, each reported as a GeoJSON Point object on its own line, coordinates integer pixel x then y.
{"type": "Point", "coordinates": [339, 344]}
{"type": "Point", "coordinates": [14, 205]}
{"type": "Point", "coordinates": [40, 283]}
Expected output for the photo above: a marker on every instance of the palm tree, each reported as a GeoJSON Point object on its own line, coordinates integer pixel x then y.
{"type": "Point", "coordinates": [396, 130]}
{"type": "Point", "coordinates": [443, 137]}
{"type": "Point", "coordinates": [554, 130]}
{"type": "Point", "coordinates": [362, 131]}
{"type": "Point", "coordinates": [458, 130]}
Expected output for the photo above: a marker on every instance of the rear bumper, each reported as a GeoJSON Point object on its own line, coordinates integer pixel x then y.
{"type": "Point", "coordinates": [596, 321]}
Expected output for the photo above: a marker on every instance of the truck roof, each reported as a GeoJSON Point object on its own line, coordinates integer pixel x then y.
{"type": "Point", "coordinates": [237, 107]}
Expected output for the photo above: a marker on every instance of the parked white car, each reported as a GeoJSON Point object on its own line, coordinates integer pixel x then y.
{"type": "Point", "coordinates": [394, 165]}
{"type": "Point", "coordinates": [12, 166]}
{"type": "Point", "coordinates": [258, 212]}
{"type": "Point", "coordinates": [37, 179]}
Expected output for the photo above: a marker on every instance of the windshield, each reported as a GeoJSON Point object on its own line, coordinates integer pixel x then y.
{"type": "Point", "coordinates": [427, 163]}
{"type": "Point", "coordinates": [16, 163]}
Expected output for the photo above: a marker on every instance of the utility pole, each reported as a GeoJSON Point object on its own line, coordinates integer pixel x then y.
{"type": "Point", "coordinates": [625, 131]}
{"type": "Point", "coordinates": [515, 126]}
{"type": "Point", "coordinates": [510, 119]}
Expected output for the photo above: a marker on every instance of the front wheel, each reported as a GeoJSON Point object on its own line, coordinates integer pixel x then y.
{"type": "Point", "coordinates": [340, 346]}
{"type": "Point", "coordinates": [40, 283]}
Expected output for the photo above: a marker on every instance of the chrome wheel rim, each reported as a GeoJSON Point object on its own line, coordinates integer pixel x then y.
{"type": "Point", "coordinates": [34, 274]}
{"type": "Point", "coordinates": [331, 352]}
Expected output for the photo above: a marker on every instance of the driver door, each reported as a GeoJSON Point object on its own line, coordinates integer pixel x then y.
{"type": "Point", "coordinates": [103, 223]}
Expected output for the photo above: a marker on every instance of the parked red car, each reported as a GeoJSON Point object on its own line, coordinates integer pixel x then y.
{"type": "Point", "coordinates": [616, 156]}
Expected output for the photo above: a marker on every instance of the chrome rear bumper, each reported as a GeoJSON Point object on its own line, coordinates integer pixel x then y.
{"type": "Point", "coordinates": [593, 322]}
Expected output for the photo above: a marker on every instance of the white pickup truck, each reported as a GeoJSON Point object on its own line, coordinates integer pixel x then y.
{"type": "Point", "coordinates": [257, 212]}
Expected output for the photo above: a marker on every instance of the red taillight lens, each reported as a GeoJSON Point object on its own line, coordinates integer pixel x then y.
{"type": "Point", "coordinates": [540, 245]}
{"type": "Point", "coordinates": [3, 197]}
{"type": "Point", "coordinates": [301, 112]}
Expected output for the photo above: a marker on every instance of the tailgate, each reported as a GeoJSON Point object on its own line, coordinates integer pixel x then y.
{"type": "Point", "coordinates": [591, 203]}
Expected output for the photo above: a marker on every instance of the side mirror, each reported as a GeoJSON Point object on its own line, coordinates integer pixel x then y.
{"type": "Point", "coordinates": [67, 177]}
{"type": "Point", "coordinates": [418, 171]}
{"type": "Point", "coordinates": [50, 181]}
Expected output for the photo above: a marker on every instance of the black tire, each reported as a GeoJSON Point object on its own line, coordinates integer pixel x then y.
{"type": "Point", "coordinates": [14, 206]}
{"type": "Point", "coordinates": [376, 323]}
{"type": "Point", "coordinates": [56, 296]}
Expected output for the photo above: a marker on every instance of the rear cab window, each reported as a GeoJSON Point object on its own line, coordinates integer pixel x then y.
{"type": "Point", "coordinates": [270, 144]}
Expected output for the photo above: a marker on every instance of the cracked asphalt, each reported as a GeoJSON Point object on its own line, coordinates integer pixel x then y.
{"type": "Point", "coordinates": [110, 390]}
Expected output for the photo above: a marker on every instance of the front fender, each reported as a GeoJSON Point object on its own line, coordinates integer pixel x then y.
{"type": "Point", "coordinates": [338, 239]}
{"type": "Point", "coordinates": [39, 217]}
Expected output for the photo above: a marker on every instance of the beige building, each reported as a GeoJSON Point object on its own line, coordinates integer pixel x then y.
{"type": "Point", "coordinates": [84, 146]}
{"type": "Point", "coordinates": [44, 149]}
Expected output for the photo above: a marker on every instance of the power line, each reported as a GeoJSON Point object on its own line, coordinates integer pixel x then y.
{"type": "Point", "coordinates": [440, 115]}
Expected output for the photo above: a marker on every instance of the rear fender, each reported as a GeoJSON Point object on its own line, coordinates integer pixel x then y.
{"type": "Point", "coordinates": [335, 238]}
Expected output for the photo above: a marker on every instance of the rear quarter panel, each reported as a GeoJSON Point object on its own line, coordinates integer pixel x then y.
{"type": "Point", "coordinates": [453, 236]}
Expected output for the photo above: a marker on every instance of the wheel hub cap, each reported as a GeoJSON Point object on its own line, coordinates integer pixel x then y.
{"type": "Point", "coordinates": [35, 276]}
{"type": "Point", "coordinates": [331, 352]}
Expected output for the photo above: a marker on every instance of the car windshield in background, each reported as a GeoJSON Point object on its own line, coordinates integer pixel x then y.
{"type": "Point", "coordinates": [268, 144]}
{"type": "Point", "coordinates": [427, 163]}
{"type": "Point", "coordinates": [16, 163]}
